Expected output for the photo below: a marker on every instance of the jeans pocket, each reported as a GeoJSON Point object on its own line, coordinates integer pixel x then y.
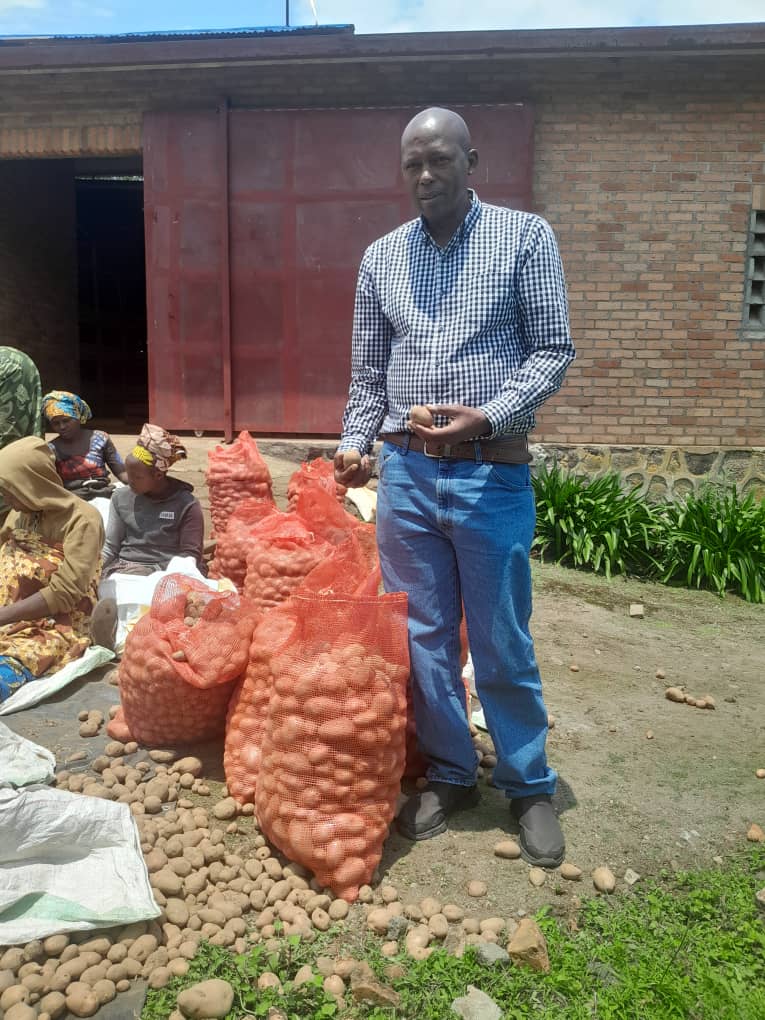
{"type": "Point", "coordinates": [387, 453]}
{"type": "Point", "coordinates": [516, 477]}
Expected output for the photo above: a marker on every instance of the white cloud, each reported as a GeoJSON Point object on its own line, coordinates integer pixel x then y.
{"type": "Point", "coordinates": [6, 6]}
{"type": "Point", "coordinates": [457, 15]}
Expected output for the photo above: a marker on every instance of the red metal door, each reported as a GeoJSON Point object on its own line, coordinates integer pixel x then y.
{"type": "Point", "coordinates": [183, 205]}
{"type": "Point", "coordinates": [290, 206]}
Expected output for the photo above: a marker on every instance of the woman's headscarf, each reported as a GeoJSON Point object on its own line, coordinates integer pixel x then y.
{"type": "Point", "coordinates": [158, 448]}
{"type": "Point", "coordinates": [62, 404]}
{"type": "Point", "coordinates": [20, 396]}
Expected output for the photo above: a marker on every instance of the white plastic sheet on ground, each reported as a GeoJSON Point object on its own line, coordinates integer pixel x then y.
{"type": "Point", "coordinates": [35, 691]}
{"type": "Point", "coordinates": [134, 593]}
{"type": "Point", "coordinates": [68, 863]}
{"type": "Point", "coordinates": [23, 762]}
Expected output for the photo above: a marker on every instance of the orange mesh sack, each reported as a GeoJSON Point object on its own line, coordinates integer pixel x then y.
{"type": "Point", "coordinates": [323, 515]}
{"type": "Point", "coordinates": [181, 663]}
{"type": "Point", "coordinates": [333, 747]}
{"type": "Point", "coordinates": [319, 472]}
{"type": "Point", "coordinates": [352, 568]}
{"type": "Point", "coordinates": [283, 550]}
{"type": "Point", "coordinates": [248, 707]}
{"type": "Point", "coordinates": [233, 473]}
{"type": "Point", "coordinates": [230, 558]}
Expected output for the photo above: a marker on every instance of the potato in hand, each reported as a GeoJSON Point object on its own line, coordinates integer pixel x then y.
{"type": "Point", "coordinates": [420, 415]}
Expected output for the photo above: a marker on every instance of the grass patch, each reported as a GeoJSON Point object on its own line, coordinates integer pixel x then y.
{"type": "Point", "coordinates": [686, 947]}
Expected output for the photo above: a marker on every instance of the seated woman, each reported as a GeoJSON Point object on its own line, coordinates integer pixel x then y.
{"type": "Point", "coordinates": [49, 567]}
{"type": "Point", "coordinates": [155, 517]}
{"type": "Point", "coordinates": [83, 456]}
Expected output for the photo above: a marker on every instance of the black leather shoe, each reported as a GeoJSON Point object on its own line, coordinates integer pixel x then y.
{"type": "Point", "coordinates": [425, 814]}
{"type": "Point", "coordinates": [541, 838]}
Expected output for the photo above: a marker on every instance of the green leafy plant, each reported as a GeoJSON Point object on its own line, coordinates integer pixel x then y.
{"type": "Point", "coordinates": [592, 524]}
{"type": "Point", "coordinates": [714, 539]}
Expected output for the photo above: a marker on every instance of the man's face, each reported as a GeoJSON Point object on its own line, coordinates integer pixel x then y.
{"type": "Point", "coordinates": [435, 171]}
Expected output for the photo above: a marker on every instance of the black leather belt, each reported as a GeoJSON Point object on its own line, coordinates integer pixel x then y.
{"type": "Point", "coordinates": [508, 450]}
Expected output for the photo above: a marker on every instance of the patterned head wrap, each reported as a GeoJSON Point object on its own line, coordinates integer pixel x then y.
{"type": "Point", "coordinates": [62, 404]}
{"type": "Point", "coordinates": [158, 448]}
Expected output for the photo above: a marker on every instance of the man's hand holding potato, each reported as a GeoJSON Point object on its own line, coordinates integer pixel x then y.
{"type": "Point", "coordinates": [465, 423]}
{"type": "Point", "coordinates": [352, 469]}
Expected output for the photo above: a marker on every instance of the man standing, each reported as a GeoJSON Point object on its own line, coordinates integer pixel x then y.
{"type": "Point", "coordinates": [463, 310]}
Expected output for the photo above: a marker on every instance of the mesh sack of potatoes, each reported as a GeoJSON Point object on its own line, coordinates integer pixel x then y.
{"type": "Point", "coordinates": [248, 708]}
{"type": "Point", "coordinates": [230, 558]}
{"type": "Point", "coordinates": [323, 515]}
{"type": "Point", "coordinates": [333, 746]}
{"type": "Point", "coordinates": [318, 472]}
{"type": "Point", "coordinates": [283, 550]}
{"type": "Point", "coordinates": [351, 568]}
{"type": "Point", "coordinates": [181, 663]}
{"type": "Point", "coordinates": [233, 473]}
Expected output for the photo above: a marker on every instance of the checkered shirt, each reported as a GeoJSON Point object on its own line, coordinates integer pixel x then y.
{"type": "Point", "coordinates": [482, 322]}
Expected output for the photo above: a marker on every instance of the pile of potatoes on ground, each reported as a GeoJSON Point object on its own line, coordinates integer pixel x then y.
{"type": "Point", "coordinates": [205, 891]}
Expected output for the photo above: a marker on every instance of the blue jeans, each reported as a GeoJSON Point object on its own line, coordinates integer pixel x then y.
{"type": "Point", "coordinates": [454, 532]}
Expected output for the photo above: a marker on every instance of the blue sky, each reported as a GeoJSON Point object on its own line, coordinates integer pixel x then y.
{"type": "Point", "coordinates": [43, 17]}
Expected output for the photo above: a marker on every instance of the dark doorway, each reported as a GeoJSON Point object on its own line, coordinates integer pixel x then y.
{"type": "Point", "coordinates": [111, 268]}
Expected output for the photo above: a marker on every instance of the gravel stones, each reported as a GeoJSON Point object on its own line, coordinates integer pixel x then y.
{"type": "Point", "coordinates": [528, 946]}
{"type": "Point", "coordinates": [476, 1005]}
{"type": "Point", "coordinates": [491, 955]}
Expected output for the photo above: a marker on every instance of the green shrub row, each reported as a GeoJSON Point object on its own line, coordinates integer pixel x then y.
{"type": "Point", "coordinates": [711, 539]}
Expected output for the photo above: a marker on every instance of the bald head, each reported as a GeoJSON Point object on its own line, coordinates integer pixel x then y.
{"type": "Point", "coordinates": [436, 161]}
{"type": "Point", "coordinates": [437, 121]}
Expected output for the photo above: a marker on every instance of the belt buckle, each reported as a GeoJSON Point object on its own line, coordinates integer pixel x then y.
{"type": "Point", "coordinates": [445, 449]}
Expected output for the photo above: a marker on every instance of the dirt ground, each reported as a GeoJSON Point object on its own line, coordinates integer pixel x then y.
{"type": "Point", "coordinates": [627, 801]}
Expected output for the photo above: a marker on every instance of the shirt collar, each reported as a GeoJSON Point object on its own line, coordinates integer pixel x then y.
{"type": "Point", "coordinates": [462, 231]}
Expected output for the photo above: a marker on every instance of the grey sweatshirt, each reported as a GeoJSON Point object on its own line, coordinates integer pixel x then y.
{"type": "Point", "coordinates": [143, 529]}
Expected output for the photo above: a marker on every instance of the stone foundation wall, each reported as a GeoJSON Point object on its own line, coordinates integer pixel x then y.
{"type": "Point", "coordinates": [662, 472]}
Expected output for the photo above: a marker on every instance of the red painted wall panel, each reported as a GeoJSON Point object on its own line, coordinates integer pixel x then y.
{"type": "Point", "coordinates": [307, 191]}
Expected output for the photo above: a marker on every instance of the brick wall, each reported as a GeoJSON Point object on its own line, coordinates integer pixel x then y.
{"type": "Point", "coordinates": [38, 286]}
{"type": "Point", "coordinates": [650, 193]}
{"type": "Point", "coordinates": [645, 165]}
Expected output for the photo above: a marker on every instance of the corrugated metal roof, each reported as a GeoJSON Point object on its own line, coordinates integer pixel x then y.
{"type": "Point", "coordinates": [202, 33]}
